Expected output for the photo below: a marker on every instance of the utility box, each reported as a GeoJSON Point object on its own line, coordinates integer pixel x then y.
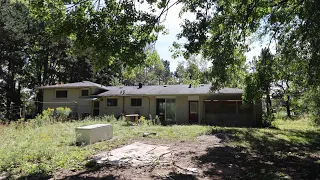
{"type": "Point", "coordinates": [94, 133]}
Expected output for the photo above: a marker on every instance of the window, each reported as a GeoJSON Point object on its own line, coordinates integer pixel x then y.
{"type": "Point", "coordinates": [61, 94]}
{"type": "Point", "coordinates": [136, 102]}
{"type": "Point", "coordinates": [112, 102]}
{"type": "Point", "coordinates": [85, 92]}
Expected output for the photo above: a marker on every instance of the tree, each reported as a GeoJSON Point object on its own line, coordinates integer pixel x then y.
{"type": "Point", "coordinates": [223, 30]}
{"type": "Point", "coordinates": [152, 72]}
{"type": "Point", "coordinates": [166, 75]}
{"type": "Point", "coordinates": [180, 72]}
{"type": "Point", "coordinates": [12, 56]}
{"type": "Point", "coordinates": [107, 31]}
{"type": "Point", "coordinates": [259, 82]}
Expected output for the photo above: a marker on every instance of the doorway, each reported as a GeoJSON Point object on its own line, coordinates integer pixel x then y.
{"type": "Point", "coordinates": [166, 111]}
{"type": "Point", "coordinates": [193, 112]}
{"type": "Point", "coordinates": [96, 107]}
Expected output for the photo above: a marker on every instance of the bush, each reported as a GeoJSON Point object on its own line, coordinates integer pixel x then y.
{"type": "Point", "coordinates": [62, 114]}
{"type": "Point", "coordinates": [267, 120]}
{"type": "Point", "coordinates": [156, 120]}
{"type": "Point", "coordinates": [141, 120]}
{"type": "Point", "coordinates": [44, 118]}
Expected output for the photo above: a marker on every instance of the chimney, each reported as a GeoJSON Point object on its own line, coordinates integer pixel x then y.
{"type": "Point", "coordinates": [189, 85]}
{"type": "Point", "coordinates": [140, 85]}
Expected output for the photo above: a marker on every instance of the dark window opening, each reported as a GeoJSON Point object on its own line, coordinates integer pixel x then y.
{"type": "Point", "coordinates": [112, 102]}
{"type": "Point", "coordinates": [85, 92]}
{"type": "Point", "coordinates": [62, 94]}
{"type": "Point", "coordinates": [136, 102]}
{"type": "Point", "coordinates": [221, 107]}
{"type": "Point", "coordinates": [96, 104]}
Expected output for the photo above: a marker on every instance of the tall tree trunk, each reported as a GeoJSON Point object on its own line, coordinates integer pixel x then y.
{"type": "Point", "coordinates": [288, 107]}
{"type": "Point", "coordinates": [268, 103]}
{"type": "Point", "coordinates": [39, 96]}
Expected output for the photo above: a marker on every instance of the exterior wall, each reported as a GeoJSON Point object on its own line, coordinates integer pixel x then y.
{"type": "Point", "coordinates": [248, 119]}
{"type": "Point", "coordinates": [182, 110]}
{"type": "Point", "coordinates": [107, 110]}
{"type": "Point", "coordinates": [148, 106]}
{"type": "Point", "coordinates": [83, 105]}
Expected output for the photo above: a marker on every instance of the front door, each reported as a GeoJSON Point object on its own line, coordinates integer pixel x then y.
{"type": "Point", "coordinates": [193, 112]}
{"type": "Point", "coordinates": [96, 107]}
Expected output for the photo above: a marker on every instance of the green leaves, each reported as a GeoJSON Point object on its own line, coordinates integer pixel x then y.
{"type": "Point", "coordinates": [108, 33]}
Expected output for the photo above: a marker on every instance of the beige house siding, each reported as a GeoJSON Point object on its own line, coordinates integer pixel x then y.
{"type": "Point", "coordinates": [83, 105]}
{"type": "Point", "coordinates": [110, 110]}
{"type": "Point", "coordinates": [144, 110]}
{"type": "Point", "coordinates": [148, 107]}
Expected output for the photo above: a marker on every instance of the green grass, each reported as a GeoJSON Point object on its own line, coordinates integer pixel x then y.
{"type": "Point", "coordinates": [27, 149]}
{"type": "Point", "coordinates": [289, 150]}
{"type": "Point", "coordinates": [34, 149]}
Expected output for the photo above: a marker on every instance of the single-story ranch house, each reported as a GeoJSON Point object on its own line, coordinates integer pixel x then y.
{"type": "Point", "coordinates": [179, 104]}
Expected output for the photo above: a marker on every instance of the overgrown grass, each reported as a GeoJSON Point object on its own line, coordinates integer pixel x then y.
{"type": "Point", "coordinates": [45, 148]}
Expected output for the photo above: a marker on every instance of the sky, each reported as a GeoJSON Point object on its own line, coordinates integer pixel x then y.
{"type": "Point", "coordinates": [172, 24]}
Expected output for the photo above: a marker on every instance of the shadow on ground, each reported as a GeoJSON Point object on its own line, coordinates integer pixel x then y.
{"type": "Point", "coordinates": [90, 172]}
{"type": "Point", "coordinates": [263, 154]}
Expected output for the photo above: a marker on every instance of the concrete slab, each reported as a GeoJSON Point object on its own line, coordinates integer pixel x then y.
{"type": "Point", "coordinates": [136, 154]}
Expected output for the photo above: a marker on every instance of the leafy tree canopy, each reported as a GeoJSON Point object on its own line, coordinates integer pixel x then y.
{"type": "Point", "coordinates": [107, 31]}
{"type": "Point", "coordinates": [223, 30]}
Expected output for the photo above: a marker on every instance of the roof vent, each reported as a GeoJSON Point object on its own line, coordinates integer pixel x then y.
{"type": "Point", "coordinates": [164, 85]}
{"type": "Point", "coordinates": [190, 85]}
{"type": "Point", "coordinates": [202, 85]}
{"type": "Point", "coordinates": [140, 85]}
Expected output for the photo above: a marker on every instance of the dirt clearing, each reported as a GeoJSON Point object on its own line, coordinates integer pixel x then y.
{"type": "Point", "coordinates": [168, 160]}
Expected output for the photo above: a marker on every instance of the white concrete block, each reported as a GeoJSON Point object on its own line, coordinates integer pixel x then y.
{"type": "Point", "coordinates": [94, 133]}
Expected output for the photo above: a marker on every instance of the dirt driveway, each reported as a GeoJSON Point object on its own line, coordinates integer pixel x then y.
{"type": "Point", "coordinates": [185, 163]}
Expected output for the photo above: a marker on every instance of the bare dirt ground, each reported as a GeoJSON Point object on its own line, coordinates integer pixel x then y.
{"type": "Point", "coordinates": [227, 154]}
{"type": "Point", "coordinates": [183, 163]}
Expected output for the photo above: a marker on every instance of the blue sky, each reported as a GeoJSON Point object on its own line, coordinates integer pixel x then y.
{"type": "Point", "coordinates": [172, 24]}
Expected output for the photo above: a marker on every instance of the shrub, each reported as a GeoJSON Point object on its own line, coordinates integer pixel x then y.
{"type": "Point", "coordinates": [62, 114]}
{"type": "Point", "coordinates": [156, 120]}
{"type": "Point", "coordinates": [141, 120]}
{"type": "Point", "coordinates": [267, 120]}
{"type": "Point", "coordinates": [44, 118]}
